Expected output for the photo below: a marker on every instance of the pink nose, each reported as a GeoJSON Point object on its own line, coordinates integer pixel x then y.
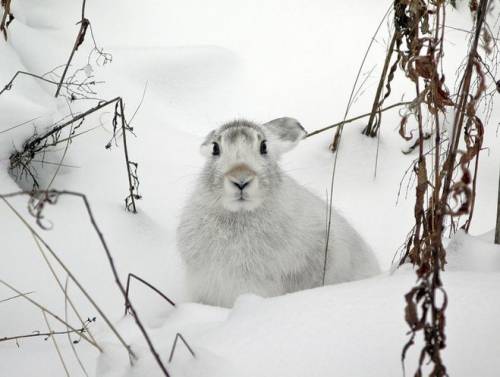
{"type": "Point", "coordinates": [241, 176]}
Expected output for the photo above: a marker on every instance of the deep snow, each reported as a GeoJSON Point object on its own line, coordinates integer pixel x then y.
{"type": "Point", "coordinates": [203, 64]}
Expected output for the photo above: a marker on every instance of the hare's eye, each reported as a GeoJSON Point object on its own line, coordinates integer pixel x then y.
{"type": "Point", "coordinates": [263, 147]}
{"type": "Point", "coordinates": [216, 149]}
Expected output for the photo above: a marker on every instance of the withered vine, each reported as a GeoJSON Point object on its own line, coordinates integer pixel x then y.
{"type": "Point", "coordinates": [445, 185]}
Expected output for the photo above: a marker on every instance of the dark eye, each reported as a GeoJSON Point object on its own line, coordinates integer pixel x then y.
{"type": "Point", "coordinates": [263, 147]}
{"type": "Point", "coordinates": [216, 149]}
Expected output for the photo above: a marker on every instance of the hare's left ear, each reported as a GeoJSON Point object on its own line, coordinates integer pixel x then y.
{"type": "Point", "coordinates": [207, 145]}
{"type": "Point", "coordinates": [285, 133]}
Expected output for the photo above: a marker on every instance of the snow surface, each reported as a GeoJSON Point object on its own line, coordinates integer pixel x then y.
{"type": "Point", "coordinates": [204, 63]}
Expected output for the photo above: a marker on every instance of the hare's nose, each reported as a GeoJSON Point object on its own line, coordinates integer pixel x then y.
{"type": "Point", "coordinates": [242, 184]}
{"type": "Point", "coordinates": [241, 176]}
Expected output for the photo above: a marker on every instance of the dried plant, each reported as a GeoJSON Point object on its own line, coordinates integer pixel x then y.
{"type": "Point", "coordinates": [50, 334]}
{"type": "Point", "coordinates": [20, 161]}
{"type": "Point", "coordinates": [38, 201]}
{"type": "Point", "coordinates": [102, 57]}
{"type": "Point", "coordinates": [76, 86]}
{"type": "Point", "coordinates": [7, 17]}
{"type": "Point", "coordinates": [441, 198]}
{"type": "Point", "coordinates": [375, 119]}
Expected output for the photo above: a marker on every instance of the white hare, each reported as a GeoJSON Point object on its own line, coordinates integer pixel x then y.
{"type": "Point", "coordinates": [250, 228]}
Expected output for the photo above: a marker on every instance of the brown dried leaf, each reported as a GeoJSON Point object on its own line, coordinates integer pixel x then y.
{"type": "Point", "coordinates": [425, 67]}
{"type": "Point", "coordinates": [402, 128]}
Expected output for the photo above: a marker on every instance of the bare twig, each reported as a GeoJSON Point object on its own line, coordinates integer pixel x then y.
{"type": "Point", "coordinates": [336, 140]}
{"type": "Point", "coordinates": [139, 105]}
{"type": "Point", "coordinates": [34, 145]}
{"type": "Point", "coordinates": [70, 341]}
{"type": "Point", "coordinates": [45, 335]}
{"type": "Point", "coordinates": [132, 195]}
{"type": "Point", "coordinates": [357, 118]}
{"type": "Point", "coordinates": [56, 346]}
{"type": "Point", "coordinates": [16, 296]}
{"type": "Point", "coordinates": [129, 278]}
{"type": "Point", "coordinates": [9, 85]}
{"type": "Point", "coordinates": [66, 298]}
{"type": "Point", "coordinates": [118, 282]}
{"type": "Point", "coordinates": [371, 129]}
{"type": "Point", "coordinates": [18, 125]}
{"type": "Point", "coordinates": [334, 146]}
{"type": "Point", "coordinates": [497, 229]}
{"type": "Point", "coordinates": [84, 24]}
{"type": "Point", "coordinates": [55, 316]}
{"type": "Point", "coordinates": [174, 346]}
{"type": "Point", "coordinates": [465, 31]}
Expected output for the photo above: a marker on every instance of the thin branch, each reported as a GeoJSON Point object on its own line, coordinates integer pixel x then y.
{"type": "Point", "coordinates": [139, 105]}
{"type": "Point", "coordinates": [174, 346]}
{"type": "Point", "coordinates": [131, 187]}
{"type": "Point", "coordinates": [18, 125]}
{"type": "Point", "coordinates": [336, 140]}
{"type": "Point", "coordinates": [497, 229]}
{"type": "Point", "coordinates": [68, 271]}
{"type": "Point", "coordinates": [33, 143]}
{"type": "Point", "coordinates": [46, 335]}
{"type": "Point", "coordinates": [357, 118]}
{"type": "Point", "coordinates": [371, 129]}
{"type": "Point", "coordinates": [130, 275]}
{"type": "Point", "coordinates": [55, 316]}
{"type": "Point", "coordinates": [56, 346]}
{"type": "Point", "coordinates": [334, 146]}
{"type": "Point", "coordinates": [84, 24]}
{"type": "Point", "coordinates": [118, 282]}
{"type": "Point", "coordinates": [16, 296]}
{"type": "Point", "coordinates": [70, 341]}
{"type": "Point", "coordinates": [466, 31]}
{"type": "Point", "coordinates": [67, 299]}
{"type": "Point", "coordinates": [56, 164]}
{"type": "Point", "coordinates": [8, 86]}
{"type": "Point", "coordinates": [68, 142]}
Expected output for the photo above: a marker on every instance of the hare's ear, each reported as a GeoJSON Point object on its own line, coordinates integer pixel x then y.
{"type": "Point", "coordinates": [207, 146]}
{"type": "Point", "coordinates": [285, 133]}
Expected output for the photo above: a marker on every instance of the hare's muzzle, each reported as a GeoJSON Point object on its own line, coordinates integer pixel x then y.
{"type": "Point", "coordinates": [240, 176]}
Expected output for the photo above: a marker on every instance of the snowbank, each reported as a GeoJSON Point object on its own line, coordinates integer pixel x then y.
{"type": "Point", "coordinates": [204, 64]}
{"type": "Point", "coordinates": [353, 329]}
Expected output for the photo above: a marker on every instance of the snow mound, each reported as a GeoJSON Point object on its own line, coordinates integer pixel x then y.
{"type": "Point", "coordinates": [468, 253]}
{"type": "Point", "coordinates": [352, 329]}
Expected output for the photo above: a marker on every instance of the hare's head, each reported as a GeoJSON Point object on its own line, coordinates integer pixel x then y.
{"type": "Point", "coordinates": [242, 168]}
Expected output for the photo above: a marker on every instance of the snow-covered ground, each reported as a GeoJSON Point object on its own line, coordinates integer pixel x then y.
{"type": "Point", "coordinates": [203, 63]}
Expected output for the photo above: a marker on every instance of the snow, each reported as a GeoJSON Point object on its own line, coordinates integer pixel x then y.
{"type": "Point", "coordinates": [352, 329]}
{"type": "Point", "coordinates": [203, 64]}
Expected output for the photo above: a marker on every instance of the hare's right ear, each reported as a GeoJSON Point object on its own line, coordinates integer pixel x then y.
{"type": "Point", "coordinates": [207, 146]}
{"type": "Point", "coordinates": [285, 132]}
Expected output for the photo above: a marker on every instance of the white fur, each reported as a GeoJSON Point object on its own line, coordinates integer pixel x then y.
{"type": "Point", "coordinates": [270, 238]}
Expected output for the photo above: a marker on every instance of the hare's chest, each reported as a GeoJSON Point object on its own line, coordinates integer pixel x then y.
{"type": "Point", "coordinates": [234, 268]}
{"type": "Point", "coordinates": [253, 251]}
